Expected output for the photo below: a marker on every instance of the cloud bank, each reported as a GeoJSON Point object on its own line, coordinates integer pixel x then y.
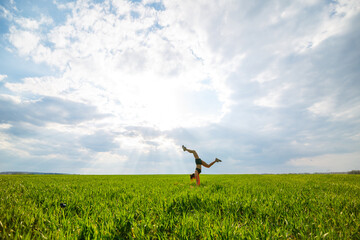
{"type": "Point", "coordinates": [116, 87]}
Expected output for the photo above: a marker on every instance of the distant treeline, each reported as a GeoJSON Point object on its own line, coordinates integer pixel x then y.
{"type": "Point", "coordinates": [354, 172]}
{"type": "Point", "coordinates": [31, 173]}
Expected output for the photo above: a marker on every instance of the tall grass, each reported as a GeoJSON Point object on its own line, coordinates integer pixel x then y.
{"type": "Point", "coordinates": [169, 207]}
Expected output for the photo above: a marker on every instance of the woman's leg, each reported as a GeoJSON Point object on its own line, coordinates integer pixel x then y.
{"type": "Point", "coordinates": [191, 151]}
{"type": "Point", "coordinates": [209, 165]}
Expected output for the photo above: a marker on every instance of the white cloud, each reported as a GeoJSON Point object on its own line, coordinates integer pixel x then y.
{"type": "Point", "coordinates": [105, 163]}
{"type": "Point", "coordinates": [27, 23]}
{"type": "Point", "coordinates": [335, 20]}
{"type": "Point", "coordinates": [3, 77]}
{"type": "Point", "coordinates": [274, 98]}
{"type": "Point", "coordinates": [62, 6]}
{"type": "Point", "coordinates": [322, 108]}
{"type": "Point", "coordinates": [12, 98]}
{"type": "Point", "coordinates": [107, 60]}
{"type": "Point", "coordinates": [329, 162]}
{"type": "Point", "coordinates": [24, 41]}
{"type": "Point", "coordinates": [329, 108]}
{"type": "Point", "coordinates": [109, 158]}
{"type": "Point", "coordinates": [46, 86]}
{"type": "Point", "coordinates": [5, 126]}
{"type": "Point", "coordinates": [16, 146]}
{"type": "Point", "coordinates": [5, 13]}
{"type": "Point", "coordinates": [266, 76]}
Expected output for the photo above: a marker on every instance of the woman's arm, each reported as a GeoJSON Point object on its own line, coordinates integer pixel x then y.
{"type": "Point", "coordinates": [197, 176]}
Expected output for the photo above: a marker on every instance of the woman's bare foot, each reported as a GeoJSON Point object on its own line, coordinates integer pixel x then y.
{"type": "Point", "coordinates": [183, 147]}
{"type": "Point", "coordinates": [217, 160]}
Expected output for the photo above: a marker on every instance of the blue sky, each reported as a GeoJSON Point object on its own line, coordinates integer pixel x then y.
{"type": "Point", "coordinates": [116, 87]}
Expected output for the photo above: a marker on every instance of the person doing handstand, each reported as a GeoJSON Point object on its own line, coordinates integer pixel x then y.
{"type": "Point", "coordinates": [199, 163]}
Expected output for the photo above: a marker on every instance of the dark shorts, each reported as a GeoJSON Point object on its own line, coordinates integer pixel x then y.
{"type": "Point", "coordinates": [198, 169]}
{"type": "Point", "coordinates": [198, 161]}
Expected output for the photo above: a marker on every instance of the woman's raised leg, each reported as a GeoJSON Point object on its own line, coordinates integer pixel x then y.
{"type": "Point", "coordinates": [209, 165]}
{"type": "Point", "coordinates": [191, 151]}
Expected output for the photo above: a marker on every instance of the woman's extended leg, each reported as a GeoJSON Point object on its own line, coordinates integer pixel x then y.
{"type": "Point", "coordinates": [209, 165]}
{"type": "Point", "coordinates": [191, 151]}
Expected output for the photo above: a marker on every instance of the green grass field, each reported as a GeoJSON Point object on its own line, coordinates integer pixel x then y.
{"type": "Point", "coordinates": [169, 207]}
